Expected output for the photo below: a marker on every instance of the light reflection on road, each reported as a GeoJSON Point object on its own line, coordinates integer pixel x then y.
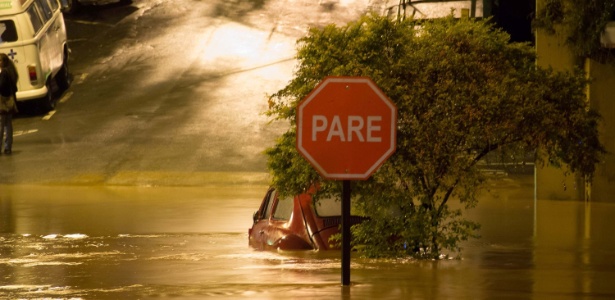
{"type": "Point", "coordinates": [191, 243]}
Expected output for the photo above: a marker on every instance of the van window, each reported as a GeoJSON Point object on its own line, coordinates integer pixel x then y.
{"type": "Point", "coordinates": [45, 10]}
{"type": "Point", "coordinates": [53, 4]}
{"type": "Point", "coordinates": [8, 33]}
{"type": "Point", "coordinates": [35, 19]}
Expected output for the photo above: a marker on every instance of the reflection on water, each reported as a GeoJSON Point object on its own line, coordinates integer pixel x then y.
{"type": "Point", "coordinates": [187, 243]}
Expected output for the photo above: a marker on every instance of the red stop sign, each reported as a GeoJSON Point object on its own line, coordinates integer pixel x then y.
{"type": "Point", "coordinates": [346, 128]}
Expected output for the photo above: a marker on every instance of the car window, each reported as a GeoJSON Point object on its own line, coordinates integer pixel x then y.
{"type": "Point", "coordinates": [8, 33]}
{"type": "Point", "coordinates": [284, 209]}
{"type": "Point", "coordinates": [35, 19]}
{"type": "Point", "coordinates": [328, 207]}
{"type": "Point", "coordinates": [332, 207]}
{"type": "Point", "coordinates": [270, 201]}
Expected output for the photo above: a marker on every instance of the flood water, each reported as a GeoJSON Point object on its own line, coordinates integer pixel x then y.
{"type": "Point", "coordinates": [191, 243]}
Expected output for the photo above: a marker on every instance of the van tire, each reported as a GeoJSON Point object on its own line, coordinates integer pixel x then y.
{"type": "Point", "coordinates": [63, 76]}
{"type": "Point", "coordinates": [47, 103]}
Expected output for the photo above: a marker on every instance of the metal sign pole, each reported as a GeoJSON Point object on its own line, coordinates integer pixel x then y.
{"type": "Point", "coordinates": [350, 99]}
{"type": "Point", "coordinates": [346, 233]}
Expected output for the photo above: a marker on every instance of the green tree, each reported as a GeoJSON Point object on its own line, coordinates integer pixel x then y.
{"type": "Point", "coordinates": [580, 22]}
{"type": "Point", "coordinates": [462, 91]}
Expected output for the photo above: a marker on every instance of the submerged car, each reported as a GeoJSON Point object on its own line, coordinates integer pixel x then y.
{"type": "Point", "coordinates": [296, 223]}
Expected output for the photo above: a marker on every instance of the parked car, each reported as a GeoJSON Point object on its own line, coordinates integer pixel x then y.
{"type": "Point", "coordinates": [33, 35]}
{"type": "Point", "coordinates": [72, 6]}
{"type": "Point", "coordinates": [296, 223]}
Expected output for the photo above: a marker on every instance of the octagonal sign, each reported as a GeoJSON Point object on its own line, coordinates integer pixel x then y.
{"type": "Point", "coordinates": [346, 128]}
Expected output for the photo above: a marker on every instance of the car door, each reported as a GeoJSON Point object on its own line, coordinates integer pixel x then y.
{"type": "Point", "coordinates": [259, 231]}
{"type": "Point", "coordinates": [278, 229]}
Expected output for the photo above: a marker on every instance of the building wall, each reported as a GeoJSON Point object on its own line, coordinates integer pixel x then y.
{"type": "Point", "coordinates": [602, 98]}
{"type": "Point", "coordinates": [553, 183]}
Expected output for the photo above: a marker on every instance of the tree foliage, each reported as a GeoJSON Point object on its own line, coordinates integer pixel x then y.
{"type": "Point", "coordinates": [580, 22]}
{"type": "Point", "coordinates": [462, 91]}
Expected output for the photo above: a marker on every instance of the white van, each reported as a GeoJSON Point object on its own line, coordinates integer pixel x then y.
{"type": "Point", "coordinates": [33, 35]}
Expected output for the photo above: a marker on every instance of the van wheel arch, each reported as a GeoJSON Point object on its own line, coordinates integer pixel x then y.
{"type": "Point", "coordinates": [63, 78]}
{"type": "Point", "coordinates": [48, 102]}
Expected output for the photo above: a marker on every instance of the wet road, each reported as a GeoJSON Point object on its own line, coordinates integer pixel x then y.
{"type": "Point", "coordinates": [166, 92]}
{"type": "Point", "coordinates": [191, 243]}
{"type": "Point", "coordinates": [142, 184]}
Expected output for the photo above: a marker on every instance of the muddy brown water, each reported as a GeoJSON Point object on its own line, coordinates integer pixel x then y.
{"type": "Point", "coordinates": [191, 243]}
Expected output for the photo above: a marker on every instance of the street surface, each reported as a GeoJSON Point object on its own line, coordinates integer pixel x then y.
{"type": "Point", "coordinates": [167, 93]}
{"type": "Point", "coordinates": [142, 183]}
